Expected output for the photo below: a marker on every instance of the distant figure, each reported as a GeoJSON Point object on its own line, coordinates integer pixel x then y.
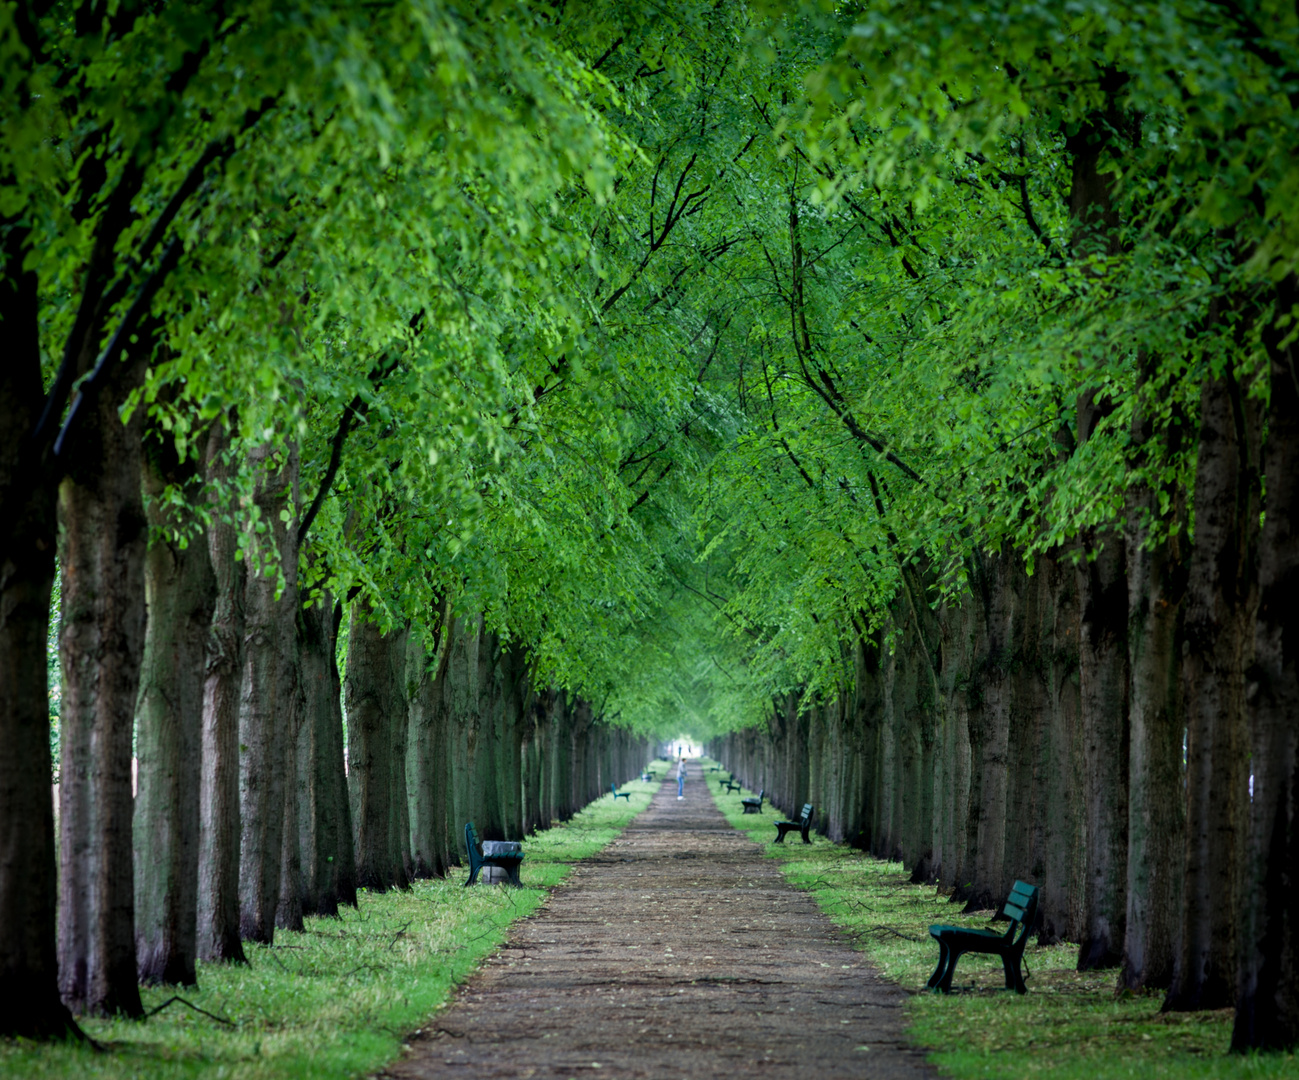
{"type": "Point", "coordinates": [681, 778]}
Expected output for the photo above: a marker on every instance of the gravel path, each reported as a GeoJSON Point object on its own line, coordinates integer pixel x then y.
{"type": "Point", "coordinates": [678, 951]}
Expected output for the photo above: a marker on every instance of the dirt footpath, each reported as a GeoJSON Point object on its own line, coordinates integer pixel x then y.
{"type": "Point", "coordinates": [677, 952]}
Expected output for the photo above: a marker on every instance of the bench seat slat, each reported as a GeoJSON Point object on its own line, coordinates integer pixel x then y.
{"type": "Point", "coordinates": [939, 928]}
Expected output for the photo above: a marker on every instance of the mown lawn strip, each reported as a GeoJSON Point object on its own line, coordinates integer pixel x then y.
{"type": "Point", "coordinates": [1070, 1025]}
{"type": "Point", "coordinates": [335, 1001]}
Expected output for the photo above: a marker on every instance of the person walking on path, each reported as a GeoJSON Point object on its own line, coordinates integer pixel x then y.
{"type": "Point", "coordinates": [681, 778]}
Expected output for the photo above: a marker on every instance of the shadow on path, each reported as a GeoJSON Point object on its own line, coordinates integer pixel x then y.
{"type": "Point", "coordinates": [678, 951]}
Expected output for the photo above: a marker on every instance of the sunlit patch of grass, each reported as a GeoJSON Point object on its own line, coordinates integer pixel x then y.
{"type": "Point", "coordinates": [337, 1000]}
{"type": "Point", "coordinates": [1070, 1026]}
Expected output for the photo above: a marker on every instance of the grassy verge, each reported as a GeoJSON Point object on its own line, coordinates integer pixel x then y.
{"type": "Point", "coordinates": [1069, 1026]}
{"type": "Point", "coordinates": [335, 1001]}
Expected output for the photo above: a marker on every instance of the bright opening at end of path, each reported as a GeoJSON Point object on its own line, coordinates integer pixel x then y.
{"type": "Point", "coordinates": [683, 746]}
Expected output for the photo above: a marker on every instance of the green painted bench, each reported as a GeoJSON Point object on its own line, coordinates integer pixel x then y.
{"type": "Point", "coordinates": [954, 941]}
{"type": "Point", "coordinates": [507, 860]}
{"type": "Point", "coordinates": [754, 806]}
{"type": "Point", "coordinates": [731, 785]}
{"type": "Point", "coordinates": [619, 794]}
{"type": "Point", "coordinates": [803, 824]}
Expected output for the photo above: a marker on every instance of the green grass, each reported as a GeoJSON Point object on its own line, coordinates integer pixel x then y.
{"type": "Point", "coordinates": [337, 1000]}
{"type": "Point", "coordinates": [1070, 1025]}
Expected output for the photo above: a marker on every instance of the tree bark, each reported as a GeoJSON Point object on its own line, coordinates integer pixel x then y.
{"type": "Point", "coordinates": [1102, 588]}
{"type": "Point", "coordinates": [102, 539]}
{"type": "Point", "coordinates": [324, 812]}
{"type": "Point", "coordinates": [399, 724]}
{"type": "Point", "coordinates": [1156, 825]}
{"type": "Point", "coordinates": [1267, 1005]}
{"type": "Point", "coordinates": [180, 593]}
{"type": "Point", "coordinates": [374, 660]}
{"type": "Point", "coordinates": [427, 749]}
{"type": "Point", "coordinates": [1065, 866]}
{"type": "Point", "coordinates": [1155, 818]}
{"type": "Point", "coordinates": [288, 911]}
{"type": "Point", "coordinates": [1103, 696]}
{"type": "Point", "coordinates": [1221, 602]}
{"type": "Point", "coordinates": [28, 884]}
{"type": "Point", "coordinates": [266, 701]}
{"type": "Point", "coordinates": [1000, 604]}
{"type": "Point", "coordinates": [219, 819]}
{"type": "Point", "coordinates": [1103, 689]}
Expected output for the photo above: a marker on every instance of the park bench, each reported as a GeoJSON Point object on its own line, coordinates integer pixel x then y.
{"type": "Point", "coordinates": [619, 794]}
{"type": "Point", "coordinates": [714, 768]}
{"type": "Point", "coordinates": [803, 824]}
{"type": "Point", "coordinates": [504, 855]}
{"type": "Point", "coordinates": [732, 785]}
{"type": "Point", "coordinates": [953, 941]}
{"type": "Point", "coordinates": [647, 776]}
{"type": "Point", "coordinates": [754, 806]}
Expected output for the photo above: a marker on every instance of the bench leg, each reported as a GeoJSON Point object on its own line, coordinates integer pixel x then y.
{"type": "Point", "coordinates": [513, 874]}
{"type": "Point", "coordinates": [473, 875]}
{"type": "Point", "coordinates": [1014, 977]}
{"type": "Point", "coordinates": [780, 835]}
{"type": "Point", "coordinates": [945, 983]}
{"type": "Point", "coordinates": [937, 976]}
{"type": "Point", "coordinates": [805, 839]}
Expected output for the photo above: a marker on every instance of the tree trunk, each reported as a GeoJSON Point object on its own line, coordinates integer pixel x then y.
{"type": "Point", "coordinates": [1103, 685]}
{"type": "Point", "coordinates": [1267, 1004]}
{"type": "Point", "coordinates": [1065, 863]}
{"type": "Point", "coordinates": [288, 911]}
{"type": "Point", "coordinates": [1156, 826]}
{"type": "Point", "coordinates": [180, 593]}
{"type": "Point", "coordinates": [102, 538]}
{"type": "Point", "coordinates": [426, 749]}
{"type": "Point", "coordinates": [399, 723]}
{"type": "Point", "coordinates": [266, 702]}
{"type": "Point", "coordinates": [28, 884]}
{"type": "Point", "coordinates": [219, 825]}
{"type": "Point", "coordinates": [324, 813]}
{"type": "Point", "coordinates": [1221, 602]}
{"type": "Point", "coordinates": [1102, 588]}
{"type": "Point", "coordinates": [1000, 603]}
{"type": "Point", "coordinates": [372, 662]}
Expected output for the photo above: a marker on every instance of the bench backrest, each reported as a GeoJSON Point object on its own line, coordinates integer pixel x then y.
{"type": "Point", "coordinates": [613, 788]}
{"type": "Point", "coordinates": [806, 815]}
{"type": "Point", "coordinates": [1021, 910]}
{"type": "Point", "coordinates": [471, 844]}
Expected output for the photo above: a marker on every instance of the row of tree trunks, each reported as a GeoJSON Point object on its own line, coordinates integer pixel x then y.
{"type": "Point", "coordinates": [1119, 727]}
{"type": "Point", "coordinates": [438, 739]}
{"type": "Point", "coordinates": [243, 819]}
{"type": "Point", "coordinates": [957, 749]}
